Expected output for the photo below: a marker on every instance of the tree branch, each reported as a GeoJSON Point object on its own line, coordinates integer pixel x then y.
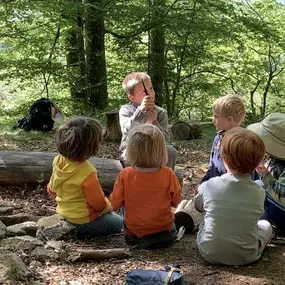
{"type": "Point", "coordinates": [14, 35]}
{"type": "Point", "coordinates": [46, 80]}
{"type": "Point", "coordinates": [211, 72]}
{"type": "Point", "coordinates": [144, 29]}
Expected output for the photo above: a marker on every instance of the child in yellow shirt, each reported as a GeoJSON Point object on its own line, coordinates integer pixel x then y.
{"type": "Point", "coordinates": [74, 183]}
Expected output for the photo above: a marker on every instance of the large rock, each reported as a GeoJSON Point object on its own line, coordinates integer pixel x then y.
{"type": "Point", "coordinates": [15, 219]}
{"type": "Point", "coordinates": [6, 210]}
{"type": "Point", "coordinates": [20, 243]}
{"type": "Point", "coordinates": [3, 230]}
{"type": "Point", "coordinates": [27, 228]}
{"type": "Point", "coordinates": [12, 269]}
{"type": "Point", "coordinates": [60, 231]}
{"type": "Point", "coordinates": [46, 222]}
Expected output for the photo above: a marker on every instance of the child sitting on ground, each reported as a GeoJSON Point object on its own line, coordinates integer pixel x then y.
{"type": "Point", "coordinates": [228, 113]}
{"type": "Point", "coordinates": [230, 231]}
{"type": "Point", "coordinates": [142, 109]}
{"type": "Point", "coordinates": [147, 189]}
{"type": "Point", "coordinates": [272, 132]}
{"type": "Point", "coordinates": [74, 183]}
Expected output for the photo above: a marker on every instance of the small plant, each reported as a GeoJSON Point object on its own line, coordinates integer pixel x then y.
{"type": "Point", "coordinates": [41, 179]}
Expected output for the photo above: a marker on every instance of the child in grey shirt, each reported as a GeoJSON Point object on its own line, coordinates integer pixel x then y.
{"type": "Point", "coordinates": [230, 231]}
{"type": "Point", "coordinates": [143, 110]}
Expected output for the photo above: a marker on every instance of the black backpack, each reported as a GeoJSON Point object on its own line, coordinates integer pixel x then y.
{"type": "Point", "coordinates": [39, 117]}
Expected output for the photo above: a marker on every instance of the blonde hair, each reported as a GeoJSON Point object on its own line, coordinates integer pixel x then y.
{"type": "Point", "coordinates": [146, 146]}
{"type": "Point", "coordinates": [132, 80]}
{"type": "Point", "coordinates": [230, 105]}
{"type": "Point", "coordinates": [242, 150]}
{"type": "Point", "coordinates": [79, 138]}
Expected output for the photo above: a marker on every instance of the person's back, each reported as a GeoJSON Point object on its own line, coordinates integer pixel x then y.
{"type": "Point", "coordinates": [68, 182]}
{"type": "Point", "coordinates": [74, 183]}
{"type": "Point", "coordinates": [228, 112]}
{"type": "Point", "coordinates": [230, 231]}
{"type": "Point", "coordinates": [233, 205]}
{"type": "Point", "coordinates": [147, 199]}
{"type": "Point", "coordinates": [142, 109]}
{"type": "Point", "coordinates": [40, 116]}
{"type": "Point", "coordinates": [146, 190]}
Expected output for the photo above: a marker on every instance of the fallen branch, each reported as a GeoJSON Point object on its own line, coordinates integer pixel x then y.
{"type": "Point", "coordinates": [211, 273]}
{"type": "Point", "coordinates": [98, 254]}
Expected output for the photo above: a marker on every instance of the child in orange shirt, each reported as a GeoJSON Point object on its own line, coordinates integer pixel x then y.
{"type": "Point", "coordinates": [74, 183]}
{"type": "Point", "coordinates": [147, 189]}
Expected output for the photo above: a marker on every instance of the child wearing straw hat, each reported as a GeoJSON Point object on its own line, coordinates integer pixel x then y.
{"type": "Point", "coordinates": [272, 131]}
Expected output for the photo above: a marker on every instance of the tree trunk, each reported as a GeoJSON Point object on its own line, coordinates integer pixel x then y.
{"type": "Point", "coordinates": [31, 168]}
{"type": "Point", "coordinates": [264, 95]}
{"type": "Point", "coordinates": [75, 57]}
{"type": "Point", "coordinates": [113, 130]}
{"type": "Point", "coordinates": [187, 130]}
{"type": "Point", "coordinates": [252, 92]}
{"type": "Point", "coordinates": [95, 54]}
{"type": "Point", "coordinates": [157, 45]}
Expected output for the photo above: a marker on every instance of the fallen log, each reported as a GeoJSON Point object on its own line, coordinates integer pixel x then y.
{"type": "Point", "coordinates": [18, 168]}
{"type": "Point", "coordinates": [94, 254]}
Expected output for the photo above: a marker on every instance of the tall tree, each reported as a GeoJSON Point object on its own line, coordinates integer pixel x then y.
{"type": "Point", "coordinates": [75, 57]}
{"type": "Point", "coordinates": [95, 54]}
{"type": "Point", "coordinates": [156, 62]}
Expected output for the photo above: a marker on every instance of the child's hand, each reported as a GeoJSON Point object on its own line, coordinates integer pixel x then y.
{"type": "Point", "coordinates": [261, 170]}
{"type": "Point", "coordinates": [147, 103]}
{"type": "Point", "coordinates": [151, 115]}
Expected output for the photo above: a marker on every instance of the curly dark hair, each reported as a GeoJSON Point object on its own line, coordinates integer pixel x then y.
{"type": "Point", "coordinates": [79, 138]}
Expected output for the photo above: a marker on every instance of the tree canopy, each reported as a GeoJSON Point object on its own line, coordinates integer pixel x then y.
{"type": "Point", "coordinates": [194, 50]}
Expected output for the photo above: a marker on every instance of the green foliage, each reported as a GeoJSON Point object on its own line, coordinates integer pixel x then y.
{"type": "Point", "coordinates": [41, 179]}
{"type": "Point", "coordinates": [211, 48]}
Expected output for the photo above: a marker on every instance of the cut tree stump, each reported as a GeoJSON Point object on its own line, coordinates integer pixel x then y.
{"type": "Point", "coordinates": [31, 168]}
{"type": "Point", "coordinates": [113, 131]}
{"type": "Point", "coordinates": [187, 130]}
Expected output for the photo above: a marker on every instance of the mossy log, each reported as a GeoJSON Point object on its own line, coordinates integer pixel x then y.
{"type": "Point", "coordinates": [18, 168]}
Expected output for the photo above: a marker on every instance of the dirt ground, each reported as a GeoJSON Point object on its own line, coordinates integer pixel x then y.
{"type": "Point", "coordinates": [192, 155]}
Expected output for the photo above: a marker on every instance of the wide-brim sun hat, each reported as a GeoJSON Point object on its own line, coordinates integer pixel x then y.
{"type": "Point", "coordinates": [272, 132]}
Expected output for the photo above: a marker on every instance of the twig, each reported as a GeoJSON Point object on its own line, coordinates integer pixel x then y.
{"type": "Point", "coordinates": [211, 273]}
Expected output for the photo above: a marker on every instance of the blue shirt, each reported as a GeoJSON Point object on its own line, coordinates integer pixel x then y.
{"type": "Point", "coordinates": [216, 164]}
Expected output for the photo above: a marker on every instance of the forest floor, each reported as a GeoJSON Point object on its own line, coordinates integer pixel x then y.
{"type": "Point", "coordinates": [192, 155]}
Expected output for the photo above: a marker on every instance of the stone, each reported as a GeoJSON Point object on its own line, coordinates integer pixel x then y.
{"type": "Point", "coordinates": [27, 228]}
{"type": "Point", "coordinates": [62, 230]}
{"type": "Point", "coordinates": [46, 222]}
{"type": "Point", "coordinates": [35, 264]}
{"type": "Point", "coordinates": [6, 210]}
{"type": "Point", "coordinates": [20, 243]}
{"type": "Point", "coordinates": [3, 230]}
{"type": "Point", "coordinates": [15, 219]}
{"type": "Point", "coordinates": [12, 268]}
{"type": "Point", "coordinates": [56, 245]}
{"type": "Point", "coordinates": [42, 254]}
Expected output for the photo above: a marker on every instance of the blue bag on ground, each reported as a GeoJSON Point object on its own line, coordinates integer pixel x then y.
{"type": "Point", "coordinates": [169, 276]}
